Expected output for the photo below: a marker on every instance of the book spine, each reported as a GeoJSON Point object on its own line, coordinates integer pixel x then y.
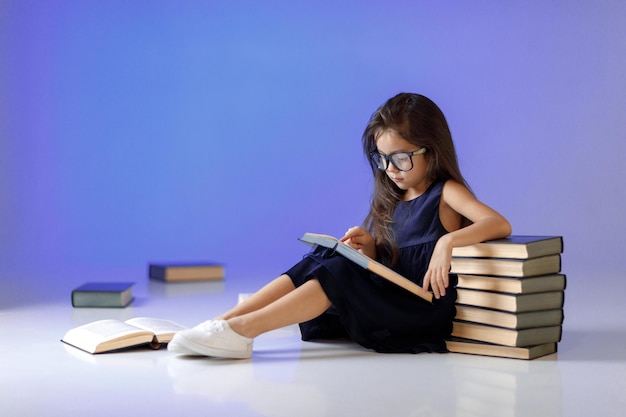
{"type": "Point", "coordinates": [157, 272]}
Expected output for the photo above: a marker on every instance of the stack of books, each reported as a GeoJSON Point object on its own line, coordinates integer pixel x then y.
{"type": "Point", "coordinates": [510, 297]}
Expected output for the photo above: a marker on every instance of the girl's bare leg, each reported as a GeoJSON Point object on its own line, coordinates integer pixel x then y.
{"type": "Point", "coordinates": [297, 306]}
{"type": "Point", "coordinates": [263, 297]}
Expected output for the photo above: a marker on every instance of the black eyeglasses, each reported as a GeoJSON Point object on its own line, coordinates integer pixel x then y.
{"type": "Point", "coordinates": [403, 161]}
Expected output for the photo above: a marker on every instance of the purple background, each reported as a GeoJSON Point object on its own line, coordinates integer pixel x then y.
{"type": "Point", "coordinates": [166, 130]}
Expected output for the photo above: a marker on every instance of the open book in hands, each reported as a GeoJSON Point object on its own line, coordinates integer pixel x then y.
{"type": "Point", "coordinates": [315, 239]}
{"type": "Point", "coordinates": [108, 335]}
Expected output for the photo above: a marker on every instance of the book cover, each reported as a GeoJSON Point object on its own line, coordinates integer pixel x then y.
{"type": "Point", "coordinates": [178, 272]}
{"type": "Point", "coordinates": [103, 294]}
{"type": "Point", "coordinates": [517, 285]}
{"type": "Point", "coordinates": [506, 337]}
{"type": "Point", "coordinates": [516, 303]}
{"type": "Point", "coordinates": [509, 320]}
{"type": "Point", "coordinates": [514, 246]}
{"type": "Point", "coordinates": [544, 265]}
{"type": "Point", "coordinates": [488, 349]}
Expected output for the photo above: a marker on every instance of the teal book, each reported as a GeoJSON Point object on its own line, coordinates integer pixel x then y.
{"type": "Point", "coordinates": [103, 294]}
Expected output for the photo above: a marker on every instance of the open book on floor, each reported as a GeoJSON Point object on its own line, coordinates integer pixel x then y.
{"type": "Point", "coordinates": [109, 335]}
{"type": "Point", "coordinates": [314, 239]}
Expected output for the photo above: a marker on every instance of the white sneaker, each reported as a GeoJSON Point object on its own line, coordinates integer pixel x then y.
{"type": "Point", "coordinates": [208, 325]}
{"type": "Point", "coordinates": [213, 338]}
{"type": "Point", "coordinates": [176, 346]}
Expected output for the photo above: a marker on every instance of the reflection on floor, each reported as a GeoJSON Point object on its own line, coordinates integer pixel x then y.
{"type": "Point", "coordinates": [287, 377]}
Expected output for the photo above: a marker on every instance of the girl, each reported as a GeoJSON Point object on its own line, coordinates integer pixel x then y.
{"type": "Point", "coordinates": [421, 209]}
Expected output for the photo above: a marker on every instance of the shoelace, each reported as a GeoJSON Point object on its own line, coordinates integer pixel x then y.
{"type": "Point", "coordinates": [210, 326]}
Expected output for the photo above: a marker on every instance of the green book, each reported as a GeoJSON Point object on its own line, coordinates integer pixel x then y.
{"type": "Point", "coordinates": [103, 294]}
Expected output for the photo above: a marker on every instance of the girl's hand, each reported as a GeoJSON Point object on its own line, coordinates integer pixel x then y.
{"type": "Point", "coordinates": [360, 239]}
{"type": "Point", "coordinates": [438, 269]}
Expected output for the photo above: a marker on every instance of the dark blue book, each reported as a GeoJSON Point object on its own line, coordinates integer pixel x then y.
{"type": "Point", "coordinates": [174, 272]}
{"type": "Point", "coordinates": [103, 294]}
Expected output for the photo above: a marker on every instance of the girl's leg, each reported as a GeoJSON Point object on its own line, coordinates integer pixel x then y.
{"type": "Point", "coordinates": [297, 306]}
{"type": "Point", "coordinates": [232, 338]}
{"type": "Point", "coordinates": [263, 297]}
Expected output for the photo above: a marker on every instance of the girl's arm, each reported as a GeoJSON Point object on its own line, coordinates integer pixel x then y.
{"type": "Point", "coordinates": [487, 224]}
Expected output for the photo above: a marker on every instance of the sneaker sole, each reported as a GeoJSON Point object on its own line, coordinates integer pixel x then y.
{"type": "Point", "coordinates": [214, 352]}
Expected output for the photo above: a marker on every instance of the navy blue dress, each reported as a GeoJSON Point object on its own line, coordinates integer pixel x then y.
{"type": "Point", "coordinates": [372, 311]}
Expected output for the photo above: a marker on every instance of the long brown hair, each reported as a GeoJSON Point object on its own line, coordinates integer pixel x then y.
{"type": "Point", "coordinates": [419, 121]}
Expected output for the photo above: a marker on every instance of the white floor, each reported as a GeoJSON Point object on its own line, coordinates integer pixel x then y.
{"type": "Point", "coordinates": [39, 375]}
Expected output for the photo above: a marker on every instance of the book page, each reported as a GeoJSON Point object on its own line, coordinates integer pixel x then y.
{"type": "Point", "coordinates": [106, 329]}
{"type": "Point", "coordinates": [162, 328]}
{"type": "Point", "coordinates": [89, 336]}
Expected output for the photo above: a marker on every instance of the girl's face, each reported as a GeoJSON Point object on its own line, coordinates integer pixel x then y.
{"type": "Point", "coordinates": [414, 182]}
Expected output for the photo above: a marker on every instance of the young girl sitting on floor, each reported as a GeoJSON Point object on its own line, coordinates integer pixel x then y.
{"type": "Point", "coordinates": [421, 209]}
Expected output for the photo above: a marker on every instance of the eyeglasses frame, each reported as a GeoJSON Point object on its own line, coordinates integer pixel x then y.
{"type": "Point", "coordinates": [388, 160]}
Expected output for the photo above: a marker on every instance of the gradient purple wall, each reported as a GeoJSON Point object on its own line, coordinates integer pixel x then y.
{"type": "Point", "coordinates": [152, 130]}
